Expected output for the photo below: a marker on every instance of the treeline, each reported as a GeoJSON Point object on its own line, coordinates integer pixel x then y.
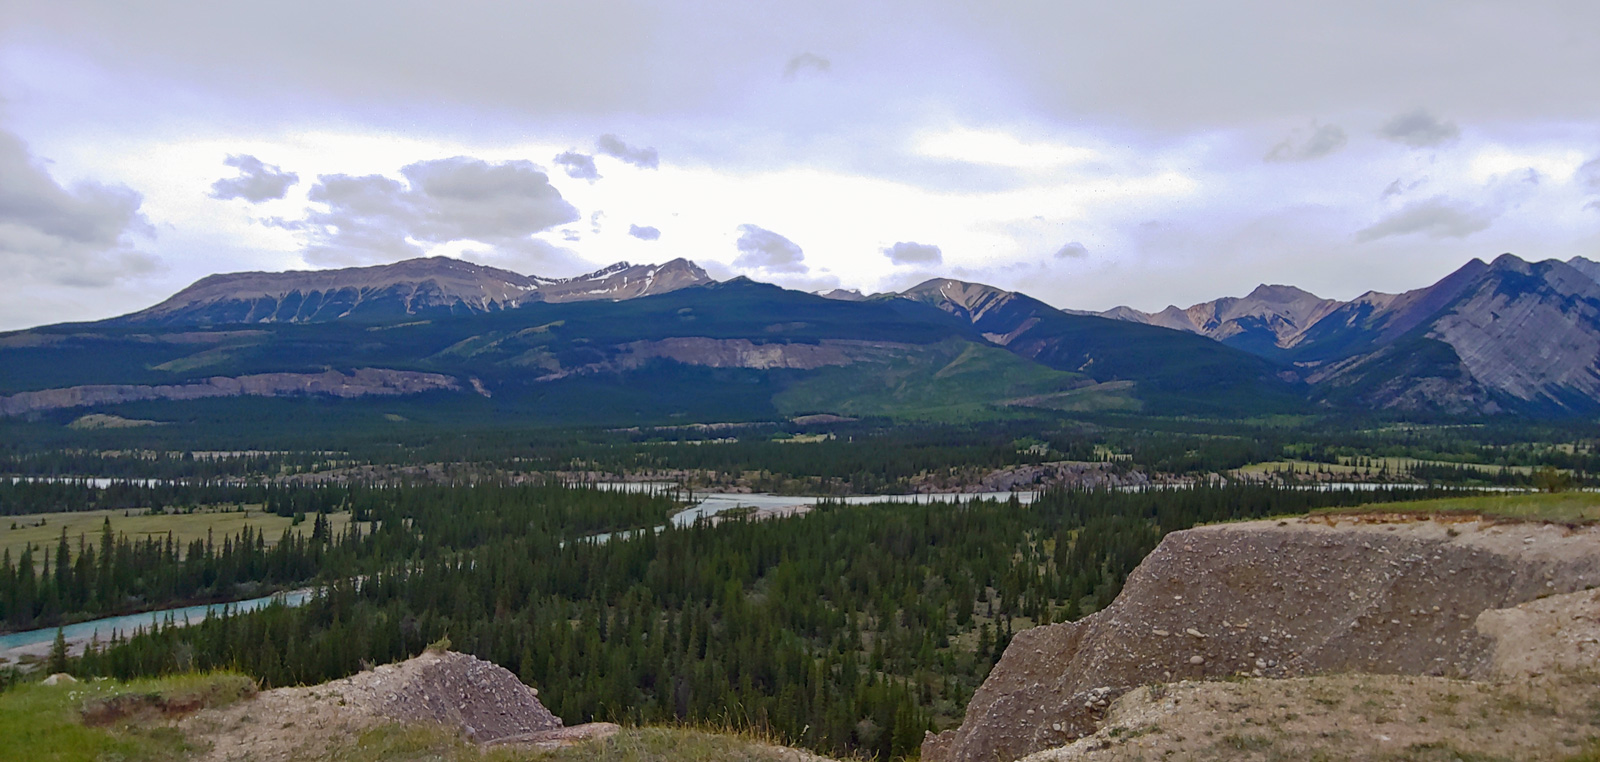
{"type": "Point", "coordinates": [850, 630]}
{"type": "Point", "coordinates": [93, 576]}
{"type": "Point", "coordinates": [151, 464]}
{"type": "Point", "coordinates": [119, 575]}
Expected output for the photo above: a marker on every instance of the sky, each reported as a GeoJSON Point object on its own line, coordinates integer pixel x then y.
{"type": "Point", "coordinates": [1090, 154]}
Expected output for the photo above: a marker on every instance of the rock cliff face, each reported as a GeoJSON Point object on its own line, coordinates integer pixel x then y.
{"type": "Point", "coordinates": [1279, 599]}
{"type": "Point", "coordinates": [738, 353]}
{"type": "Point", "coordinates": [360, 382]}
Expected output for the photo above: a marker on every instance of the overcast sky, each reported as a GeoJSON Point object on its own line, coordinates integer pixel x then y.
{"type": "Point", "coordinates": [1089, 153]}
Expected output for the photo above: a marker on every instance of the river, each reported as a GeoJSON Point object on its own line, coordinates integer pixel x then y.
{"type": "Point", "coordinates": [18, 643]}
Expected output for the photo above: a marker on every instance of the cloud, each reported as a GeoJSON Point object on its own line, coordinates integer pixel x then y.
{"type": "Point", "coordinates": [71, 237]}
{"type": "Point", "coordinates": [806, 61]}
{"type": "Point", "coordinates": [644, 232]}
{"type": "Point", "coordinates": [1419, 129]}
{"type": "Point", "coordinates": [1588, 176]}
{"type": "Point", "coordinates": [1437, 217]}
{"type": "Point", "coordinates": [579, 166]}
{"type": "Point", "coordinates": [611, 145]}
{"type": "Point", "coordinates": [1324, 140]}
{"type": "Point", "coordinates": [765, 250]}
{"type": "Point", "coordinates": [1072, 250]}
{"type": "Point", "coordinates": [257, 182]}
{"type": "Point", "coordinates": [376, 218]}
{"type": "Point", "coordinates": [908, 252]}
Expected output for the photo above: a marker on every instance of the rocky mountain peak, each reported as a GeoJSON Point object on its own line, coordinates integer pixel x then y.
{"type": "Point", "coordinates": [624, 281]}
{"type": "Point", "coordinates": [1271, 317]}
{"type": "Point", "coordinates": [970, 300]}
{"type": "Point", "coordinates": [1585, 266]}
{"type": "Point", "coordinates": [843, 295]}
{"type": "Point", "coordinates": [1280, 294]}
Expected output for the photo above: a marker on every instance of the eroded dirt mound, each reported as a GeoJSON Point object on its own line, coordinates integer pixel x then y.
{"type": "Point", "coordinates": [485, 701]}
{"type": "Point", "coordinates": [1276, 599]}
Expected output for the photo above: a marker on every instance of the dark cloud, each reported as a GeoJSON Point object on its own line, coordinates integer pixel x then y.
{"type": "Point", "coordinates": [644, 232]}
{"type": "Point", "coordinates": [579, 166]}
{"type": "Point", "coordinates": [1398, 187]}
{"type": "Point", "coordinates": [806, 61]}
{"type": "Point", "coordinates": [611, 145]}
{"type": "Point", "coordinates": [1072, 250]}
{"type": "Point", "coordinates": [1324, 140]}
{"type": "Point", "coordinates": [375, 218]}
{"type": "Point", "coordinates": [1588, 176]}
{"type": "Point", "coordinates": [763, 249]}
{"type": "Point", "coordinates": [1437, 217]}
{"type": "Point", "coordinates": [909, 252]}
{"type": "Point", "coordinates": [1419, 129]}
{"type": "Point", "coordinates": [256, 182]}
{"type": "Point", "coordinates": [73, 237]}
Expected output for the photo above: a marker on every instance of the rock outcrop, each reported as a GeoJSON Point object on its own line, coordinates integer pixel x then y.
{"type": "Point", "coordinates": [1276, 599]}
{"type": "Point", "coordinates": [360, 382]}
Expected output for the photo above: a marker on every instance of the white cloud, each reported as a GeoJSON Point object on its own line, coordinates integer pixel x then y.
{"type": "Point", "coordinates": [1437, 217]}
{"type": "Point", "coordinates": [912, 253]}
{"type": "Point", "coordinates": [1000, 148]}
{"type": "Point", "coordinates": [806, 62]}
{"type": "Point", "coordinates": [257, 181]}
{"type": "Point", "coordinates": [1322, 140]}
{"type": "Point", "coordinates": [643, 157]}
{"type": "Point", "coordinates": [374, 218]}
{"type": "Point", "coordinates": [51, 235]}
{"type": "Point", "coordinates": [1420, 129]}
{"type": "Point", "coordinates": [762, 249]}
{"type": "Point", "coordinates": [578, 165]}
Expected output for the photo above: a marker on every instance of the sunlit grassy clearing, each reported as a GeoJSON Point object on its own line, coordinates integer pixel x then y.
{"type": "Point", "coordinates": [185, 527]}
{"type": "Point", "coordinates": [1560, 506]}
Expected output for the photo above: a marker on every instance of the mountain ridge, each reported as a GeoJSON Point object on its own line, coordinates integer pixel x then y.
{"type": "Point", "coordinates": [407, 287]}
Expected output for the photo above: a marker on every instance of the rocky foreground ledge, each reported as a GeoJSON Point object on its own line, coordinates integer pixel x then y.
{"type": "Point", "coordinates": [1372, 595]}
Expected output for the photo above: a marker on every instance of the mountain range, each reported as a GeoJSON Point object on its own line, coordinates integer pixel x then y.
{"type": "Point", "coordinates": [454, 343]}
{"type": "Point", "coordinates": [1508, 335]}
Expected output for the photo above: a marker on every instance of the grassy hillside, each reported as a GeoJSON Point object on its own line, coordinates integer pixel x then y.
{"type": "Point", "coordinates": [951, 381]}
{"type": "Point", "coordinates": [110, 720]}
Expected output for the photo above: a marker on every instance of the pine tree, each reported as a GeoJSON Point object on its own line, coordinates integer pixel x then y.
{"type": "Point", "coordinates": [58, 653]}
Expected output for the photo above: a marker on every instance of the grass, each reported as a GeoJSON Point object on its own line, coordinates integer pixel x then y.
{"type": "Point", "coordinates": [1394, 466]}
{"type": "Point", "coordinates": [220, 521]}
{"type": "Point", "coordinates": [1565, 507]}
{"type": "Point", "coordinates": [46, 722]}
{"type": "Point", "coordinates": [949, 381]}
{"type": "Point", "coordinates": [416, 743]}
